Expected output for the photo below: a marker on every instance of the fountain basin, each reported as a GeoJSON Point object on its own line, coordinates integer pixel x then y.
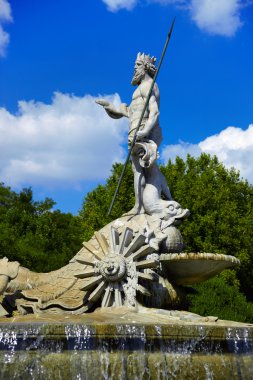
{"type": "Point", "coordinates": [125, 344]}
{"type": "Point", "coordinates": [192, 268]}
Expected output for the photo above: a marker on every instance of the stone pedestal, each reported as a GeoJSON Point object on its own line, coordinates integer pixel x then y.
{"type": "Point", "coordinates": [125, 344]}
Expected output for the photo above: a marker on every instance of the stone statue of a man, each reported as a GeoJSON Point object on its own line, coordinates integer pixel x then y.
{"type": "Point", "coordinates": [147, 175]}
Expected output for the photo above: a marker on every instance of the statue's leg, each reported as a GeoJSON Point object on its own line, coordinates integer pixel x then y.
{"type": "Point", "coordinates": [139, 184]}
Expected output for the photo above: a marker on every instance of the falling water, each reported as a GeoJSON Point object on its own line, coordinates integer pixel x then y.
{"type": "Point", "coordinates": [123, 351]}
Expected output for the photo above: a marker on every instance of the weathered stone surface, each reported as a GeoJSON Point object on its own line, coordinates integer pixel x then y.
{"type": "Point", "coordinates": [191, 268]}
{"type": "Point", "coordinates": [117, 267]}
{"type": "Point", "coordinates": [174, 323]}
{"type": "Point", "coordinates": [122, 343]}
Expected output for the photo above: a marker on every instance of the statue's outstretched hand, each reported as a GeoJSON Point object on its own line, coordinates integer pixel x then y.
{"type": "Point", "coordinates": [110, 109]}
{"type": "Point", "coordinates": [102, 102]}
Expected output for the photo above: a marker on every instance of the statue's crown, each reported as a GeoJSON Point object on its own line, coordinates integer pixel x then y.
{"type": "Point", "coordinates": [148, 62]}
{"type": "Point", "coordinates": [145, 58]}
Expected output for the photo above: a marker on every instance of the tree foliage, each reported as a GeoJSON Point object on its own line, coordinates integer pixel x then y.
{"type": "Point", "coordinates": [94, 212]}
{"type": "Point", "coordinates": [220, 202]}
{"type": "Point", "coordinates": [218, 298]}
{"type": "Point", "coordinates": [31, 233]}
{"type": "Point", "coordinates": [221, 206]}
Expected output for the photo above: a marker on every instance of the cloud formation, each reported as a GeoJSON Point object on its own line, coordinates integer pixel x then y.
{"type": "Point", "coordinates": [65, 143]}
{"type": "Point", "coordinates": [5, 16]}
{"type": "Point", "coordinates": [220, 17]}
{"type": "Point", "coordinates": [233, 146]}
{"type": "Point", "coordinates": [216, 16]}
{"type": "Point", "coordinates": [116, 5]}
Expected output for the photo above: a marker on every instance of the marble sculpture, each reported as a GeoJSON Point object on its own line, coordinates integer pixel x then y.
{"type": "Point", "coordinates": [135, 260]}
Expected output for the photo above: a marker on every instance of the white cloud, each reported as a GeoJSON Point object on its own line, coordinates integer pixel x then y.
{"type": "Point", "coordinates": [65, 143]}
{"type": "Point", "coordinates": [115, 5]}
{"type": "Point", "coordinates": [233, 146]}
{"type": "Point", "coordinates": [181, 149]}
{"type": "Point", "coordinates": [217, 17]}
{"type": "Point", "coordinates": [5, 16]}
{"type": "Point", "coordinates": [5, 10]}
{"type": "Point", "coordinates": [167, 2]}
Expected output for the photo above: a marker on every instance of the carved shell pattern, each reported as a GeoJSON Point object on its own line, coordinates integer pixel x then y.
{"type": "Point", "coordinates": [114, 272]}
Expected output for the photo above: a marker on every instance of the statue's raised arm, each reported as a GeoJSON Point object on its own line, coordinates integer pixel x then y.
{"type": "Point", "coordinates": [112, 111]}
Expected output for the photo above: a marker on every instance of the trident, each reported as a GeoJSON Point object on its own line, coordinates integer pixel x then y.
{"type": "Point", "coordinates": [141, 117]}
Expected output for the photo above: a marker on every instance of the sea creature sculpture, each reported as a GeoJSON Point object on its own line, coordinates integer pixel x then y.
{"type": "Point", "coordinates": [132, 258]}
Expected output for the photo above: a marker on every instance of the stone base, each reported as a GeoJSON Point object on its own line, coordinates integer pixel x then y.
{"type": "Point", "coordinates": [125, 344]}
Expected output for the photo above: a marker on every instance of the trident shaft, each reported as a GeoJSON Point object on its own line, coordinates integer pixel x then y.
{"type": "Point", "coordinates": [141, 117]}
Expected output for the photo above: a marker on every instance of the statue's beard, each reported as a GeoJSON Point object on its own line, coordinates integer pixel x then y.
{"type": "Point", "coordinates": [138, 76]}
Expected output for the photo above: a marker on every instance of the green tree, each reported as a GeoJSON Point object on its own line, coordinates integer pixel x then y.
{"type": "Point", "coordinates": [94, 212]}
{"type": "Point", "coordinates": [218, 298]}
{"type": "Point", "coordinates": [221, 206]}
{"type": "Point", "coordinates": [220, 202]}
{"type": "Point", "coordinates": [31, 233]}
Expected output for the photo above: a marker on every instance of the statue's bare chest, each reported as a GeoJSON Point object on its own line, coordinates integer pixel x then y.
{"type": "Point", "coordinates": [137, 103]}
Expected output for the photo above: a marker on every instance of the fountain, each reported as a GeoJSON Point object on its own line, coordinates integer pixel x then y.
{"type": "Point", "coordinates": [115, 310]}
{"type": "Point", "coordinates": [125, 344]}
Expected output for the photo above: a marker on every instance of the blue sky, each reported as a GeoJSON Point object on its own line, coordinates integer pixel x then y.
{"type": "Point", "coordinates": [57, 57]}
